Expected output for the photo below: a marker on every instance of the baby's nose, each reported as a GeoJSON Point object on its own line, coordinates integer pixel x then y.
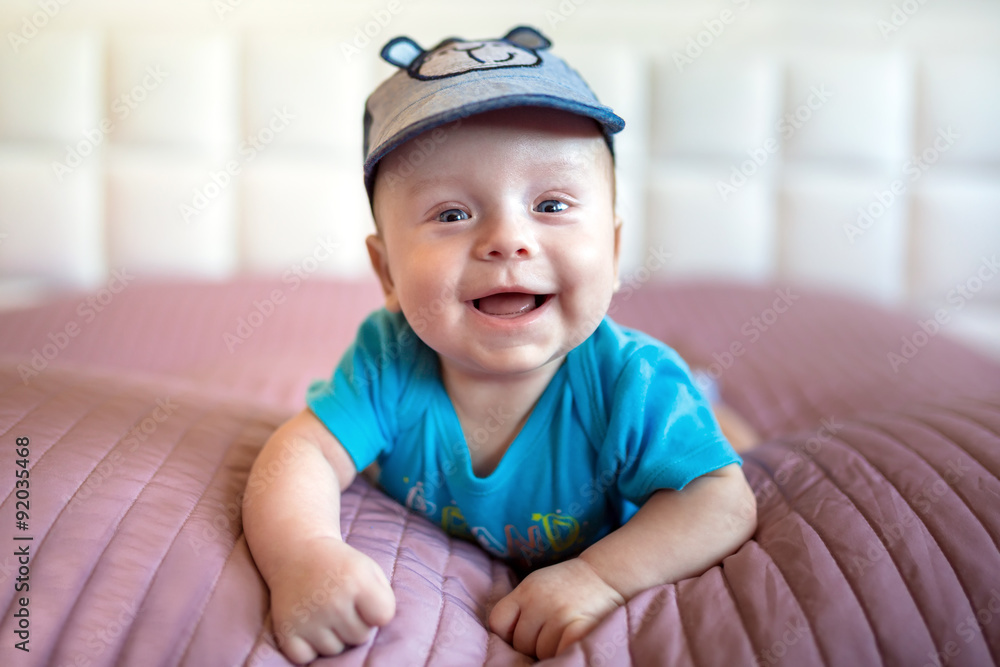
{"type": "Point", "coordinates": [507, 238]}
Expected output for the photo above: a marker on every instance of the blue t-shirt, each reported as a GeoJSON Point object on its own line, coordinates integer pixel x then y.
{"type": "Point", "coordinates": [620, 419]}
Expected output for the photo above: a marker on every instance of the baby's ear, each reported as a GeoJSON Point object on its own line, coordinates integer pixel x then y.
{"type": "Point", "coordinates": [401, 52]}
{"type": "Point", "coordinates": [380, 264]}
{"type": "Point", "coordinates": [528, 38]}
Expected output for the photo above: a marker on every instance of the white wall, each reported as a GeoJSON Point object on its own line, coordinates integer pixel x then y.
{"type": "Point", "coordinates": [824, 105]}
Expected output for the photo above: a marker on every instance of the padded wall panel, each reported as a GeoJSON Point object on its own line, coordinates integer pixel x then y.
{"type": "Point", "coordinates": [849, 107]}
{"type": "Point", "coordinates": [827, 242]}
{"type": "Point", "coordinates": [50, 87]}
{"type": "Point", "coordinates": [705, 236]}
{"type": "Point", "coordinates": [956, 239]}
{"type": "Point", "coordinates": [631, 209]}
{"type": "Point", "coordinates": [620, 79]}
{"type": "Point", "coordinates": [294, 209]}
{"type": "Point", "coordinates": [174, 89]}
{"type": "Point", "coordinates": [961, 93]}
{"type": "Point", "coordinates": [149, 231]}
{"type": "Point", "coordinates": [718, 110]}
{"type": "Point", "coordinates": [52, 230]}
{"type": "Point", "coordinates": [312, 79]}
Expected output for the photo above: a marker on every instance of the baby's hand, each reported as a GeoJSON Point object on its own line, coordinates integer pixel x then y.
{"type": "Point", "coordinates": [553, 607]}
{"type": "Point", "coordinates": [328, 597]}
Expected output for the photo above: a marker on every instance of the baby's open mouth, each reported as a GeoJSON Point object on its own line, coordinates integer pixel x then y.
{"type": "Point", "coordinates": [509, 304]}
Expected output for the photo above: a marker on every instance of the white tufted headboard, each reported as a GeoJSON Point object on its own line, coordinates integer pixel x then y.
{"type": "Point", "coordinates": [853, 145]}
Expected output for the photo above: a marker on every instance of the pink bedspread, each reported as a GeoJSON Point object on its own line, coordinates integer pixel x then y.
{"type": "Point", "coordinates": [877, 486]}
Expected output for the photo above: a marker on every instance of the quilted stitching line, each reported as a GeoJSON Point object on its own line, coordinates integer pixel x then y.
{"type": "Point", "coordinates": [407, 517]}
{"type": "Point", "coordinates": [239, 538]}
{"type": "Point", "coordinates": [109, 397]}
{"type": "Point", "coordinates": [927, 528]}
{"type": "Point", "coordinates": [187, 518]}
{"type": "Point", "coordinates": [628, 640]}
{"type": "Point", "coordinates": [917, 420]}
{"type": "Point", "coordinates": [207, 600]}
{"type": "Point", "coordinates": [357, 510]}
{"type": "Point", "coordinates": [870, 464]}
{"type": "Point", "coordinates": [261, 639]}
{"type": "Point", "coordinates": [850, 583]}
{"type": "Point", "coordinates": [791, 589]}
{"type": "Point", "coordinates": [953, 411]}
{"type": "Point", "coordinates": [739, 611]}
{"type": "Point", "coordinates": [437, 626]}
{"type": "Point", "coordinates": [48, 399]}
{"type": "Point", "coordinates": [684, 626]}
{"type": "Point", "coordinates": [495, 565]}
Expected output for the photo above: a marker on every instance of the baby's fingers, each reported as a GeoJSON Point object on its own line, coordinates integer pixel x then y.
{"type": "Point", "coordinates": [379, 606]}
{"type": "Point", "coordinates": [296, 649]}
{"type": "Point", "coordinates": [574, 631]}
{"type": "Point", "coordinates": [503, 618]}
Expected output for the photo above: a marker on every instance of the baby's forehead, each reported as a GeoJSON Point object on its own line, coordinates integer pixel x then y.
{"type": "Point", "coordinates": [561, 138]}
{"type": "Point", "coordinates": [561, 142]}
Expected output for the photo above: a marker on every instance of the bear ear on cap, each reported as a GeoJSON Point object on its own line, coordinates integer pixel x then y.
{"type": "Point", "coordinates": [528, 38]}
{"type": "Point", "coordinates": [401, 52]}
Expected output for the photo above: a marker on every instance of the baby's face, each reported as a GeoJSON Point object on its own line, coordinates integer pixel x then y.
{"type": "Point", "coordinates": [498, 239]}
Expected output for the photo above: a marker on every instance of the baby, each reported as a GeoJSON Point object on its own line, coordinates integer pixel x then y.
{"type": "Point", "coordinates": [493, 392]}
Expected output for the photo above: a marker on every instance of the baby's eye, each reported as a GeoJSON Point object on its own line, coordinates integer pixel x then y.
{"type": "Point", "coordinates": [551, 206]}
{"type": "Point", "coordinates": [453, 215]}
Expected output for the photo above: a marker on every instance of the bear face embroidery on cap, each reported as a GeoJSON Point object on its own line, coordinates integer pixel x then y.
{"type": "Point", "coordinates": [518, 48]}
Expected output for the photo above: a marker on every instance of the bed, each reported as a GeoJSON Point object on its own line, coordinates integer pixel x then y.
{"type": "Point", "coordinates": [138, 412]}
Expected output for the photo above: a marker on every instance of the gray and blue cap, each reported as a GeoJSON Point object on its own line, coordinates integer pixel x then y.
{"type": "Point", "coordinates": [459, 78]}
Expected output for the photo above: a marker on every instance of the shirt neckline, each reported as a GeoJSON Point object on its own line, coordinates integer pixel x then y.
{"type": "Point", "coordinates": [519, 448]}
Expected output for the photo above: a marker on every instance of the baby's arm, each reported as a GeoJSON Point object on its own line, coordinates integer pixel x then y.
{"type": "Point", "coordinates": [324, 594]}
{"type": "Point", "coordinates": [676, 534]}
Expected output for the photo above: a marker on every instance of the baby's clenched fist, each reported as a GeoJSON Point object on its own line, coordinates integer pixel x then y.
{"type": "Point", "coordinates": [329, 597]}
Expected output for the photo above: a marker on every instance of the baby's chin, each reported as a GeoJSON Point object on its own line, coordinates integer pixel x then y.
{"type": "Point", "coordinates": [508, 365]}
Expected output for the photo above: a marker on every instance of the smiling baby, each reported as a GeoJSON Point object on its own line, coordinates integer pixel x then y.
{"type": "Point", "coordinates": [492, 390]}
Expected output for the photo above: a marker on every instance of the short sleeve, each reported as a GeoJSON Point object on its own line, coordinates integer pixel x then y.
{"type": "Point", "coordinates": [662, 432]}
{"type": "Point", "coordinates": [357, 404]}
